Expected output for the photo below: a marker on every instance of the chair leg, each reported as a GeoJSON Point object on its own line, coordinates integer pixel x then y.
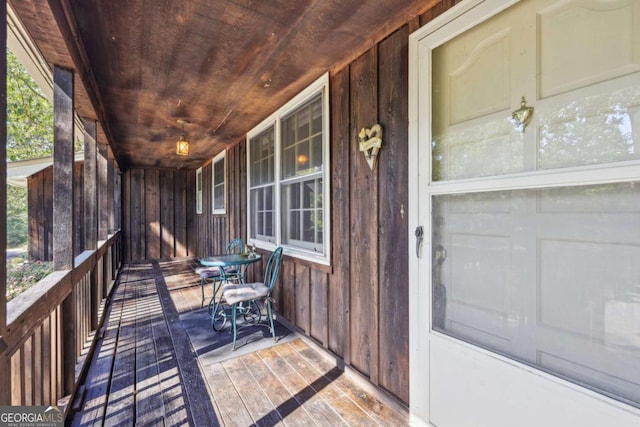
{"type": "Point", "coordinates": [233, 322]}
{"type": "Point", "coordinates": [202, 290]}
{"type": "Point", "coordinates": [270, 315]}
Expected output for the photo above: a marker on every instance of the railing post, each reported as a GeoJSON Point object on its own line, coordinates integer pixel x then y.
{"type": "Point", "coordinates": [63, 218]}
{"type": "Point", "coordinates": [91, 209]}
{"type": "Point", "coordinates": [5, 366]}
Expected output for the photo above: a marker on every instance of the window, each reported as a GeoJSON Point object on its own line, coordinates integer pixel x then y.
{"type": "Point", "coordinates": [199, 190]}
{"type": "Point", "coordinates": [288, 163]}
{"type": "Point", "coordinates": [218, 184]}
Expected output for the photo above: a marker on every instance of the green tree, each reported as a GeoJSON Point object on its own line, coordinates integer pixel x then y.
{"type": "Point", "coordinates": [29, 136]}
{"type": "Point", "coordinates": [29, 115]}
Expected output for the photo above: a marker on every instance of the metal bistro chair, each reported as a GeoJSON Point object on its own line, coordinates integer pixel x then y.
{"type": "Point", "coordinates": [213, 273]}
{"type": "Point", "coordinates": [250, 293]}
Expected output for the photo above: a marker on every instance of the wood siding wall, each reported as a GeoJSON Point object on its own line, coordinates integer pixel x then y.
{"type": "Point", "coordinates": [40, 212]}
{"type": "Point", "coordinates": [358, 307]}
{"type": "Point", "coordinates": [158, 209]}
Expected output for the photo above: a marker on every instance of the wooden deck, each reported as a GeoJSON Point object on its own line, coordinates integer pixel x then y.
{"type": "Point", "coordinates": [145, 370]}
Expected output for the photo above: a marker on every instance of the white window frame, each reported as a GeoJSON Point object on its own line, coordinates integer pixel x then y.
{"type": "Point", "coordinates": [199, 191]}
{"type": "Point", "coordinates": [320, 86]}
{"type": "Point", "coordinates": [221, 156]}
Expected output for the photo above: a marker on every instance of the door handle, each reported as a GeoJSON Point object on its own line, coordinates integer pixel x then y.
{"type": "Point", "coordinates": [419, 232]}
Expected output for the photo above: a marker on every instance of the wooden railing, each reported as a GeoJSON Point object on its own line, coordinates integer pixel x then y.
{"type": "Point", "coordinates": [50, 328]}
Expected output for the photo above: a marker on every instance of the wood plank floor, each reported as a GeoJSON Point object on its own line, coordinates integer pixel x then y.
{"type": "Point", "coordinates": [145, 372]}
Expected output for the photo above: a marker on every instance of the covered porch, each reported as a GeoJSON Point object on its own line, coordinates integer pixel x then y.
{"type": "Point", "coordinates": [158, 362]}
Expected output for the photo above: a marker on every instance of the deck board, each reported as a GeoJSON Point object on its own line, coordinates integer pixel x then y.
{"type": "Point", "coordinates": [145, 370]}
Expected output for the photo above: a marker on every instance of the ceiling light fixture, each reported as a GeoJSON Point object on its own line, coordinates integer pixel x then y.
{"type": "Point", "coordinates": [182, 146]}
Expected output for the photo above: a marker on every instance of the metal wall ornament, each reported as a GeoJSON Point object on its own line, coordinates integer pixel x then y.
{"type": "Point", "coordinates": [370, 142]}
{"type": "Point", "coordinates": [522, 115]}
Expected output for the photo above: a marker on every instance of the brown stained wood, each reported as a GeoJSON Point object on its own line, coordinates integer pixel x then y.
{"type": "Point", "coordinates": [138, 235]}
{"type": "Point", "coordinates": [27, 372]}
{"type": "Point", "coordinates": [69, 341]}
{"type": "Point", "coordinates": [46, 361]}
{"type": "Point", "coordinates": [286, 406]}
{"type": "Point", "coordinates": [190, 203]}
{"type": "Point", "coordinates": [126, 215]}
{"type": "Point", "coordinates": [338, 310]}
{"type": "Point", "coordinates": [152, 213]}
{"type": "Point", "coordinates": [318, 307]}
{"type": "Point", "coordinates": [149, 402]}
{"type": "Point", "coordinates": [16, 378]}
{"type": "Point", "coordinates": [393, 216]}
{"type": "Point", "coordinates": [167, 214]}
{"type": "Point", "coordinates": [364, 222]}
{"type": "Point", "coordinates": [253, 398]}
{"type": "Point", "coordinates": [374, 407]}
{"type": "Point", "coordinates": [98, 376]}
{"type": "Point", "coordinates": [110, 192]}
{"type": "Point", "coordinates": [103, 195]}
{"type": "Point", "coordinates": [436, 10]}
{"type": "Point", "coordinates": [181, 183]}
{"type": "Point", "coordinates": [121, 403]}
{"type": "Point", "coordinates": [321, 412]}
{"type": "Point", "coordinates": [63, 218]}
{"type": "Point", "coordinates": [302, 292]}
{"type": "Point", "coordinates": [232, 409]}
{"type": "Point", "coordinates": [287, 293]}
{"type": "Point", "coordinates": [322, 383]}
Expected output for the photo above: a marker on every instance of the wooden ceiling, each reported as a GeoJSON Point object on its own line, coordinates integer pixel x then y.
{"type": "Point", "coordinates": [221, 65]}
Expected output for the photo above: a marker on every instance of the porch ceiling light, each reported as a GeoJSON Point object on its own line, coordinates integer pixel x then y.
{"type": "Point", "coordinates": [182, 146]}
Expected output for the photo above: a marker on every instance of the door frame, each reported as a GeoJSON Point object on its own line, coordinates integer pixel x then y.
{"type": "Point", "coordinates": [422, 340]}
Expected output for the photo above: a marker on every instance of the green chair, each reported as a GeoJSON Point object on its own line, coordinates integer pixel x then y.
{"type": "Point", "coordinates": [244, 296]}
{"type": "Point", "coordinates": [213, 273]}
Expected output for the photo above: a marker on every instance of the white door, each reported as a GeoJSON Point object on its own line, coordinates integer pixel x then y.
{"type": "Point", "coordinates": [526, 296]}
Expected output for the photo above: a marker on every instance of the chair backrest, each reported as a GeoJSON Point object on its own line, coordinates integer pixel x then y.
{"type": "Point", "coordinates": [273, 267]}
{"type": "Point", "coordinates": [236, 246]}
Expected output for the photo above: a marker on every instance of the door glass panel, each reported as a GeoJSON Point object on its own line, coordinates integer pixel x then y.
{"type": "Point", "coordinates": [576, 64]}
{"type": "Point", "coordinates": [548, 277]}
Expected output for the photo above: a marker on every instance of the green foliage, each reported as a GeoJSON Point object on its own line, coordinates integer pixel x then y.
{"type": "Point", "coordinates": [17, 218]}
{"type": "Point", "coordinates": [21, 276]}
{"type": "Point", "coordinates": [29, 115]}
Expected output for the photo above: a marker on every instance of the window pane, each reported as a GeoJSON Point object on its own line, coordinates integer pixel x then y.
{"type": "Point", "coordinates": [302, 145]}
{"type": "Point", "coordinates": [218, 197]}
{"type": "Point", "coordinates": [547, 277]}
{"type": "Point", "coordinates": [262, 158]}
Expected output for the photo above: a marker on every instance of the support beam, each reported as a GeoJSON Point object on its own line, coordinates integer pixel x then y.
{"type": "Point", "coordinates": [63, 218]}
{"type": "Point", "coordinates": [90, 184]}
{"type": "Point", "coordinates": [3, 195]}
{"type": "Point", "coordinates": [110, 185]}
{"type": "Point", "coordinates": [103, 194]}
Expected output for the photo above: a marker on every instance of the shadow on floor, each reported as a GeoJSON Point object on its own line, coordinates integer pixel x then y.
{"type": "Point", "coordinates": [213, 347]}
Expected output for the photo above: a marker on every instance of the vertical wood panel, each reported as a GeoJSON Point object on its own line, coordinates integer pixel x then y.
{"type": "Point", "coordinates": [364, 222]}
{"type": "Point", "coordinates": [152, 212]}
{"type": "Point", "coordinates": [126, 222]}
{"type": "Point", "coordinates": [138, 248]}
{"type": "Point", "coordinates": [16, 378]}
{"type": "Point", "coordinates": [318, 307]}
{"type": "Point", "coordinates": [78, 207]}
{"type": "Point", "coordinates": [167, 211]}
{"type": "Point", "coordinates": [340, 252]}
{"type": "Point", "coordinates": [180, 185]}
{"type": "Point", "coordinates": [90, 187]}
{"type": "Point", "coordinates": [45, 225]}
{"type": "Point", "coordinates": [393, 205]}
{"type": "Point", "coordinates": [301, 302]}
{"type": "Point", "coordinates": [288, 291]}
{"type": "Point", "coordinates": [190, 190]}
{"type": "Point", "coordinates": [63, 157]}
